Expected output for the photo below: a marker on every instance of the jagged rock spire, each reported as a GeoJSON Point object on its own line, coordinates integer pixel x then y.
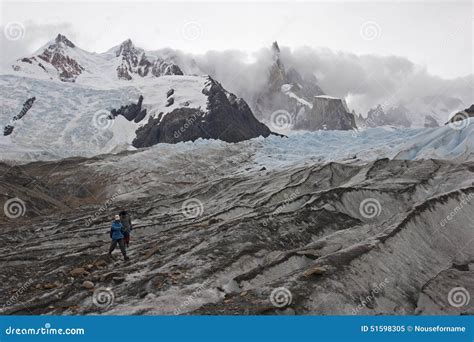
{"type": "Point", "coordinates": [63, 39]}
{"type": "Point", "coordinates": [126, 48]}
{"type": "Point", "coordinates": [275, 47]}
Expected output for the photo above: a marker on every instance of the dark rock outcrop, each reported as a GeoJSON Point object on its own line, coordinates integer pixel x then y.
{"type": "Point", "coordinates": [327, 113]}
{"type": "Point", "coordinates": [132, 111]}
{"type": "Point", "coordinates": [227, 118]}
{"type": "Point", "coordinates": [8, 129]}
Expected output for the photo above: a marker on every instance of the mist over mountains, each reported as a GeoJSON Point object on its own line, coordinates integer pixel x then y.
{"type": "Point", "coordinates": [363, 80]}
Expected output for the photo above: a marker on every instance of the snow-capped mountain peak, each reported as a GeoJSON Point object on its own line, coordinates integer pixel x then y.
{"type": "Point", "coordinates": [128, 50]}
{"type": "Point", "coordinates": [60, 59]}
{"type": "Point", "coordinates": [62, 40]}
{"type": "Point", "coordinates": [57, 59]}
{"type": "Point", "coordinates": [135, 61]}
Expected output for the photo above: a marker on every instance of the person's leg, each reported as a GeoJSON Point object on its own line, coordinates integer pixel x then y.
{"type": "Point", "coordinates": [112, 246]}
{"type": "Point", "coordinates": [122, 248]}
{"type": "Point", "coordinates": [127, 239]}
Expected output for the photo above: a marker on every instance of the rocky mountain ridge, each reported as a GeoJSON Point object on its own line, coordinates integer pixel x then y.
{"type": "Point", "coordinates": [62, 60]}
{"type": "Point", "coordinates": [135, 61]}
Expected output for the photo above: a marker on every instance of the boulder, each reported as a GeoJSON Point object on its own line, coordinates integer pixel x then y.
{"type": "Point", "coordinates": [317, 270]}
{"type": "Point", "coordinates": [78, 272]}
{"type": "Point", "coordinates": [88, 284]}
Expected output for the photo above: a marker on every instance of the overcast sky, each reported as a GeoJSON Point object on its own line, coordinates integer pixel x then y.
{"type": "Point", "coordinates": [437, 35]}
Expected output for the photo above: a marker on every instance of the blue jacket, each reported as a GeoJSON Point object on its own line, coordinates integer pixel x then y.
{"type": "Point", "coordinates": [116, 231]}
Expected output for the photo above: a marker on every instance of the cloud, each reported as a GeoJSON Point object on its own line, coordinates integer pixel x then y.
{"type": "Point", "coordinates": [27, 37]}
{"type": "Point", "coordinates": [363, 80]}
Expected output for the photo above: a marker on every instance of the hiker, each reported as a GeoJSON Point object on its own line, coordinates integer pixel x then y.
{"type": "Point", "coordinates": [116, 234]}
{"type": "Point", "coordinates": [126, 221]}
